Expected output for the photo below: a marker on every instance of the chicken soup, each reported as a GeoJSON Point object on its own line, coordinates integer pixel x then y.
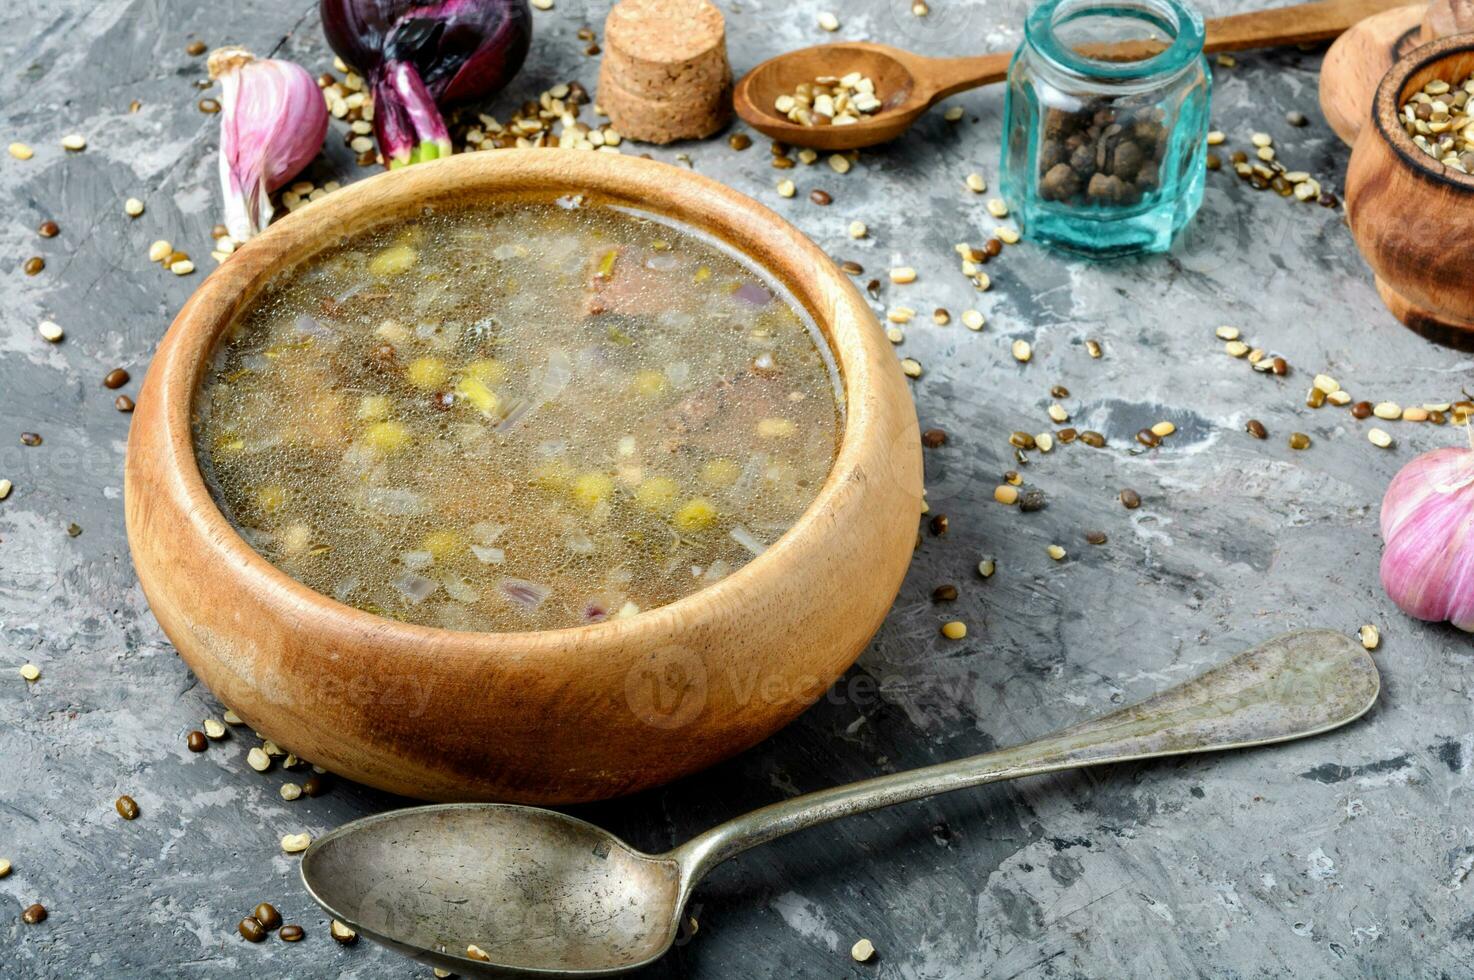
{"type": "Point", "coordinates": [518, 417]}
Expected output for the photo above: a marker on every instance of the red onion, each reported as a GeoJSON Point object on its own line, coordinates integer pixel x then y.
{"type": "Point", "coordinates": [421, 57]}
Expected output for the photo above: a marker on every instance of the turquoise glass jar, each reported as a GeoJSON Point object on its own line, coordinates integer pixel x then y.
{"type": "Point", "coordinates": [1105, 124]}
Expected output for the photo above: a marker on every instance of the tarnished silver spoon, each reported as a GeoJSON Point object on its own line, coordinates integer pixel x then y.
{"type": "Point", "coordinates": [543, 894]}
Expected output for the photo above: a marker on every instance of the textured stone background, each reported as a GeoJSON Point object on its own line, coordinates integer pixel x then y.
{"type": "Point", "coordinates": [1347, 854]}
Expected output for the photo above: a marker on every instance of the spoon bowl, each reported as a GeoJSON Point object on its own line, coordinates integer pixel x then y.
{"type": "Point", "coordinates": [907, 85]}
{"type": "Point", "coordinates": [541, 893]}
{"type": "Point", "coordinates": [546, 895]}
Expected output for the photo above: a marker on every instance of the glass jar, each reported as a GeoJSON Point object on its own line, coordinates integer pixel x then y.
{"type": "Point", "coordinates": [1105, 124]}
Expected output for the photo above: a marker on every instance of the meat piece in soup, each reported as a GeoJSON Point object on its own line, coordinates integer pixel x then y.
{"type": "Point", "coordinates": [518, 417]}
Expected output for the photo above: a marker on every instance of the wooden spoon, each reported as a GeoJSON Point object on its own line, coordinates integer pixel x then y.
{"type": "Point", "coordinates": [909, 84]}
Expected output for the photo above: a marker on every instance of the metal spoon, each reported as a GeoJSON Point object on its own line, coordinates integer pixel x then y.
{"type": "Point", "coordinates": [910, 83]}
{"type": "Point", "coordinates": [546, 895]}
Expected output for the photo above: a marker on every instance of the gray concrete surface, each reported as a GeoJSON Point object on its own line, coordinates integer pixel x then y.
{"type": "Point", "coordinates": [1345, 855]}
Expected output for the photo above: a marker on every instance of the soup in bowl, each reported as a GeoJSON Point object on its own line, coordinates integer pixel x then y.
{"type": "Point", "coordinates": [526, 475]}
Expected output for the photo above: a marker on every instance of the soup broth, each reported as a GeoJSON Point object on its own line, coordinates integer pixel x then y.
{"type": "Point", "coordinates": [518, 417]}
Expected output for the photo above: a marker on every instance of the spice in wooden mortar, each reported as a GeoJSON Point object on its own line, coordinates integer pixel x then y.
{"type": "Point", "coordinates": [1438, 119]}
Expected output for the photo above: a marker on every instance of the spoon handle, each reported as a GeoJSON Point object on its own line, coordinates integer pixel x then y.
{"type": "Point", "coordinates": [1298, 684]}
{"type": "Point", "coordinates": [1302, 23]}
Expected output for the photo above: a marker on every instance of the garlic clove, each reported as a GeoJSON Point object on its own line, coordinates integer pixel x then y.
{"type": "Point", "coordinates": [1428, 534]}
{"type": "Point", "coordinates": [272, 123]}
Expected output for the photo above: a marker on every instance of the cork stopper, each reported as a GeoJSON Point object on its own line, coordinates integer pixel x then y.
{"type": "Point", "coordinates": [665, 74]}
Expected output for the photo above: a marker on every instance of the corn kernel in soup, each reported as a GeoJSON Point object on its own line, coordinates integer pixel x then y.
{"type": "Point", "coordinates": [518, 417]}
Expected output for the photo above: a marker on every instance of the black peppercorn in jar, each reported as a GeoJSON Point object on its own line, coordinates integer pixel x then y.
{"type": "Point", "coordinates": [1105, 125]}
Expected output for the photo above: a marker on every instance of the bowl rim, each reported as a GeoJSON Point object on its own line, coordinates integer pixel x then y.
{"type": "Point", "coordinates": [1387, 106]}
{"type": "Point", "coordinates": [717, 211]}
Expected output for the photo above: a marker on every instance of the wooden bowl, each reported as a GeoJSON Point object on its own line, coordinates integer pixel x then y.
{"type": "Point", "coordinates": [545, 717]}
{"type": "Point", "coordinates": [1359, 58]}
{"type": "Point", "coordinates": [1413, 217]}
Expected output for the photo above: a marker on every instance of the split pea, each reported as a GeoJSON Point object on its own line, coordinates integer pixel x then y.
{"type": "Point", "coordinates": [955, 630]}
{"type": "Point", "coordinates": [1022, 351]}
{"type": "Point", "coordinates": [295, 843]}
{"type": "Point", "coordinates": [1387, 410]}
{"type": "Point", "coordinates": [1371, 637]}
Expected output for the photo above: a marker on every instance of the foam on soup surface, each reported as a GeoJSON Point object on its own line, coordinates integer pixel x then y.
{"type": "Point", "coordinates": [518, 417]}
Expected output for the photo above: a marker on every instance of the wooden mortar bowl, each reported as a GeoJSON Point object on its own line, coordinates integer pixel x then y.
{"type": "Point", "coordinates": [1413, 217]}
{"type": "Point", "coordinates": [546, 717]}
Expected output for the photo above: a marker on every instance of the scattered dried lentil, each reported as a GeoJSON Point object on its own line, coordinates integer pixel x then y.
{"type": "Point", "coordinates": [295, 843]}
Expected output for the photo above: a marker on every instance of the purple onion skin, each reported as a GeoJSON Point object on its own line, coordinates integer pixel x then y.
{"type": "Point", "coordinates": [421, 57]}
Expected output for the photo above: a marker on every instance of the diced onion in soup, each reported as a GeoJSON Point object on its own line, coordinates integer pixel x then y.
{"type": "Point", "coordinates": [488, 556]}
{"type": "Point", "coordinates": [528, 595]}
{"type": "Point", "coordinates": [416, 588]}
{"type": "Point", "coordinates": [747, 539]}
{"type": "Point", "coordinates": [460, 588]}
{"type": "Point", "coordinates": [416, 559]}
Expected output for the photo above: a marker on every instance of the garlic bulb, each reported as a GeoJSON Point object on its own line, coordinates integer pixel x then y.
{"type": "Point", "coordinates": [272, 123]}
{"type": "Point", "coordinates": [1428, 537]}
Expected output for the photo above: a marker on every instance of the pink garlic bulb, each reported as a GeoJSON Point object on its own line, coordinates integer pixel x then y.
{"type": "Point", "coordinates": [272, 123]}
{"type": "Point", "coordinates": [1428, 537]}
